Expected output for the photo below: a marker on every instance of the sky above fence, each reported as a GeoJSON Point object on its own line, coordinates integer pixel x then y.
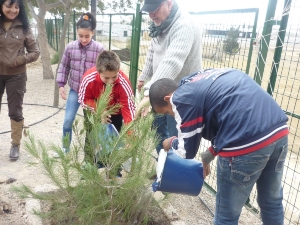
{"type": "Point", "coordinates": [212, 5]}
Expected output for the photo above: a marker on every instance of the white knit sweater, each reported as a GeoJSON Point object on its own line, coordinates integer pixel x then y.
{"type": "Point", "coordinates": [175, 53]}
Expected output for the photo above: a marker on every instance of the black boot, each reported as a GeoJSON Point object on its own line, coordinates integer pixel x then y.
{"type": "Point", "coordinates": [14, 152]}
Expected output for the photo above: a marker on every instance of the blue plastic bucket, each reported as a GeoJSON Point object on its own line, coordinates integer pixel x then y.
{"type": "Point", "coordinates": [107, 137]}
{"type": "Point", "coordinates": [181, 176]}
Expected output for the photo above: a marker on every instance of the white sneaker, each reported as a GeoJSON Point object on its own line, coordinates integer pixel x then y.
{"type": "Point", "coordinates": [56, 155]}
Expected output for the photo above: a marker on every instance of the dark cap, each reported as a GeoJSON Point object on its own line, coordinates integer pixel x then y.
{"type": "Point", "coordinates": [151, 5]}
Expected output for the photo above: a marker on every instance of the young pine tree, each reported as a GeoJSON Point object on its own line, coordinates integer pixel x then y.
{"type": "Point", "coordinates": [88, 195]}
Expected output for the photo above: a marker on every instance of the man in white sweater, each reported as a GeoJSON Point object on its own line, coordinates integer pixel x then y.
{"type": "Point", "coordinates": [174, 52]}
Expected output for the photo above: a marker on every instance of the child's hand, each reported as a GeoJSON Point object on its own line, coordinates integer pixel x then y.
{"type": "Point", "coordinates": [206, 169]}
{"type": "Point", "coordinates": [167, 143]}
{"type": "Point", "coordinates": [106, 119]}
{"type": "Point", "coordinates": [62, 93]}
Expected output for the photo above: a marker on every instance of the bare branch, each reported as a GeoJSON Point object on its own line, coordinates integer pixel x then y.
{"type": "Point", "coordinates": [54, 5]}
{"type": "Point", "coordinates": [62, 2]}
{"type": "Point", "coordinates": [32, 12]}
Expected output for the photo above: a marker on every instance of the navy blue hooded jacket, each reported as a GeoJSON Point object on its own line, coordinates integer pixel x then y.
{"type": "Point", "coordinates": [226, 107]}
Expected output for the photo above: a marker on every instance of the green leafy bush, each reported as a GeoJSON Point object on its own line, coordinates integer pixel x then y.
{"type": "Point", "coordinates": [55, 58]}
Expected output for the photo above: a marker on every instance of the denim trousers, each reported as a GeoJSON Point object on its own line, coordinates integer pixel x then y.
{"type": "Point", "coordinates": [236, 177]}
{"type": "Point", "coordinates": [71, 111]}
{"type": "Point", "coordinates": [165, 127]}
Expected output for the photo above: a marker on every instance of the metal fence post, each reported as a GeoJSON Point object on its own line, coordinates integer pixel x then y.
{"type": "Point", "coordinates": [94, 13]}
{"type": "Point", "coordinates": [109, 37]}
{"type": "Point", "coordinates": [264, 42]}
{"type": "Point", "coordinates": [278, 50]}
{"type": "Point", "coordinates": [135, 42]}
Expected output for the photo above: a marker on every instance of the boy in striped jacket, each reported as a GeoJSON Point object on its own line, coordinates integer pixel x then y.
{"type": "Point", "coordinates": [247, 130]}
{"type": "Point", "coordinates": [107, 71]}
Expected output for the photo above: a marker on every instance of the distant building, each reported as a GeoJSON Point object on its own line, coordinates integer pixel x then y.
{"type": "Point", "coordinates": [117, 29]}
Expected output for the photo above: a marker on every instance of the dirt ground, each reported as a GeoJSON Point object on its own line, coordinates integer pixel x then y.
{"type": "Point", "coordinates": [46, 125]}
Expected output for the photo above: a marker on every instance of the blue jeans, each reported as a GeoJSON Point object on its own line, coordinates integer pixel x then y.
{"type": "Point", "coordinates": [236, 177]}
{"type": "Point", "coordinates": [166, 127]}
{"type": "Point", "coordinates": [71, 111]}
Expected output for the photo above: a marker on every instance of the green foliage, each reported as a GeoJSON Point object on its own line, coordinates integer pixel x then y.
{"type": "Point", "coordinates": [55, 58]}
{"type": "Point", "coordinates": [121, 5]}
{"type": "Point", "coordinates": [230, 44]}
{"type": "Point", "coordinates": [76, 5]}
{"type": "Point", "coordinates": [88, 195]}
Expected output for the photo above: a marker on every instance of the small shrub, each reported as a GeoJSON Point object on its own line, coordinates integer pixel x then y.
{"type": "Point", "coordinates": [55, 58]}
{"type": "Point", "coordinates": [230, 44]}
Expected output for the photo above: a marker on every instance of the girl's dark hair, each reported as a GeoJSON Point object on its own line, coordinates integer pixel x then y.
{"type": "Point", "coordinates": [22, 13]}
{"type": "Point", "coordinates": [87, 20]}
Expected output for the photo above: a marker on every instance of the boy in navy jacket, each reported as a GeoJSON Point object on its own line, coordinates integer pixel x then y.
{"type": "Point", "coordinates": [247, 130]}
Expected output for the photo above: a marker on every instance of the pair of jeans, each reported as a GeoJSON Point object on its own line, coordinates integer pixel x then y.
{"type": "Point", "coordinates": [165, 127]}
{"type": "Point", "coordinates": [71, 111]}
{"type": "Point", "coordinates": [236, 177]}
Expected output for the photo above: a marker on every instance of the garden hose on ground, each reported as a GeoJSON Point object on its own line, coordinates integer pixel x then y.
{"type": "Point", "coordinates": [31, 104]}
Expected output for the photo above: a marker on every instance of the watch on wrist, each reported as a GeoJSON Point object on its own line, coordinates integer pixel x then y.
{"type": "Point", "coordinates": [146, 93]}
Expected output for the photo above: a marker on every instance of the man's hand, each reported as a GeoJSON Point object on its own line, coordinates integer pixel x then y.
{"type": "Point", "coordinates": [62, 93]}
{"type": "Point", "coordinates": [206, 169]}
{"type": "Point", "coordinates": [140, 85]}
{"type": "Point", "coordinates": [167, 143]}
{"type": "Point", "coordinates": [143, 108]}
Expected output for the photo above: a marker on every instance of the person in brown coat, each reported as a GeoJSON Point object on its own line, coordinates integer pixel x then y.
{"type": "Point", "coordinates": [15, 37]}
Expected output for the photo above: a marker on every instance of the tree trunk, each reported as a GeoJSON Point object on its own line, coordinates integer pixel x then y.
{"type": "Point", "coordinates": [43, 43]}
{"type": "Point", "coordinates": [61, 50]}
{"type": "Point", "coordinates": [42, 37]}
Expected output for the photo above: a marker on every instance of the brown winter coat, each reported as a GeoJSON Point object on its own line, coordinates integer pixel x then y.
{"type": "Point", "coordinates": [13, 43]}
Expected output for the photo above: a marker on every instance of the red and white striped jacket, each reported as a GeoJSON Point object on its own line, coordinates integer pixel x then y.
{"type": "Point", "coordinates": [92, 87]}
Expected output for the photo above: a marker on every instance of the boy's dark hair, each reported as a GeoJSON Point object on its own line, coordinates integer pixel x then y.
{"type": "Point", "coordinates": [22, 13]}
{"type": "Point", "coordinates": [159, 89]}
{"type": "Point", "coordinates": [107, 61]}
{"type": "Point", "coordinates": [87, 21]}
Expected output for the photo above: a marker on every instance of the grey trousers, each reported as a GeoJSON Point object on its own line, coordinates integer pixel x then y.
{"type": "Point", "coordinates": [15, 86]}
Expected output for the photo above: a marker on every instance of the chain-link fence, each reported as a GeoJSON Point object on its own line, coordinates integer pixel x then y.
{"type": "Point", "coordinates": [269, 53]}
{"type": "Point", "coordinates": [275, 66]}
{"type": "Point", "coordinates": [114, 31]}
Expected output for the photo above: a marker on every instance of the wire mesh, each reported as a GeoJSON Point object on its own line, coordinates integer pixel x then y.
{"type": "Point", "coordinates": [227, 37]}
{"type": "Point", "coordinates": [281, 79]}
{"type": "Point", "coordinates": [286, 92]}
{"type": "Point", "coordinates": [114, 31]}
